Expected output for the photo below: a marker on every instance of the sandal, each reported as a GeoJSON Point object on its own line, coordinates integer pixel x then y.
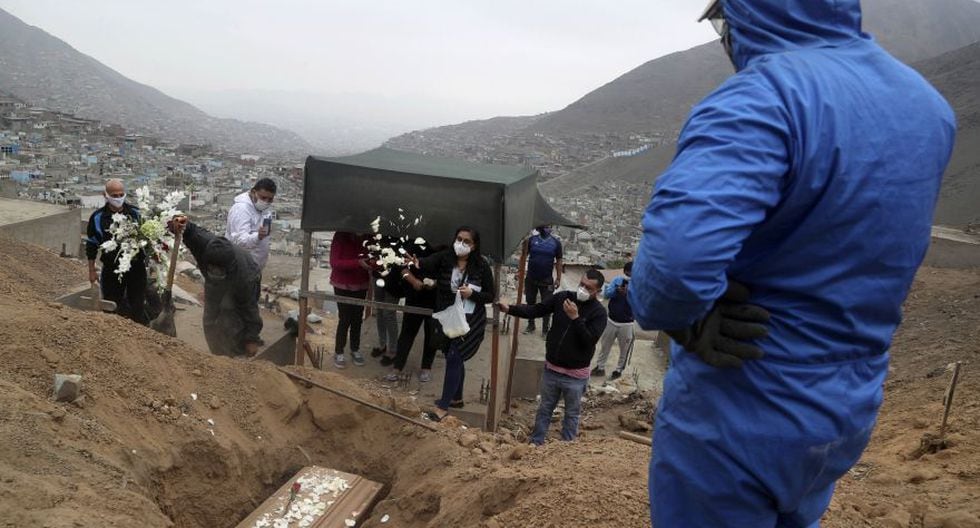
{"type": "Point", "coordinates": [431, 415]}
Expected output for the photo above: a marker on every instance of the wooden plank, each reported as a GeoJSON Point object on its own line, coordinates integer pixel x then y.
{"type": "Point", "coordinates": [493, 410]}
{"type": "Point", "coordinates": [351, 499]}
{"type": "Point", "coordinates": [948, 398]}
{"type": "Point", "coordinates": [636, 438]}
{"type": "Point", "coordinates": [303, 301]}
{"type": "Point", "coordinates": [521, 273]}
{"type": "Point", "coordinates": [370, 405]}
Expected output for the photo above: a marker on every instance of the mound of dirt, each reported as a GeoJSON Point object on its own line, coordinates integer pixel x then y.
{"type": "Point", "coordinates": [890, 488]}
{"type": "Point", "coordinates": [29, 269]}
{"type": "Point", "coordinates": [167, 436]}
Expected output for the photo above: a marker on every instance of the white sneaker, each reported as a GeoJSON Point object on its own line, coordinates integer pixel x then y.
{"type": "Point", "coordinates": [357, 358]}
{"type": "Point", "coordinates": [425, 376]}
{"type": "Point", "coordinates": [339, 361]}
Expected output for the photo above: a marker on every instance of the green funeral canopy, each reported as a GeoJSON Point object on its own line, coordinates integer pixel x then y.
{"type": "Point", "coordinates": [502, 202]}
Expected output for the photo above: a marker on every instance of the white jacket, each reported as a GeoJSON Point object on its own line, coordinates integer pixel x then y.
{"type": "Point", "coordinates": [244, 221]}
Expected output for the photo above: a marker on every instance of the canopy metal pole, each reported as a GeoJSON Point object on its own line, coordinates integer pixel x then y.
{"type": "Point", "coordinates": [521, 274]}
{"type": "Point", "coordinates": [495, 353]}
{"type": "Point", "coordinates": [303, 301]}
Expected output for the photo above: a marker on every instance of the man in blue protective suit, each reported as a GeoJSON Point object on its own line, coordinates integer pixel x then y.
{"type": "Point", "coordinates": [777, 250]}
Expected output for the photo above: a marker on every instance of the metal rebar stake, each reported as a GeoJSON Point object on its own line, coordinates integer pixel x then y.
{"type": "Point", "coordinates": [948, 399]}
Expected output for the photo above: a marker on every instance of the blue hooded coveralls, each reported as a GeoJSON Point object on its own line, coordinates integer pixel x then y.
{"type": "Point", "coordinates": [811, 177]}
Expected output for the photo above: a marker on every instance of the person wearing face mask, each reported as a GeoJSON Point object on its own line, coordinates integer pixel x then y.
{"type": "Point", "coordinates": [578, 321]}
{"type": "Point", "coordinates": [544, 256]}
{"type": "Point", "coordinates": [777, 251]}
{"type": "Point", "coordinates": [619, 328]}
{"type": "Point", "coordinates": [249, 220]}
{"type": "Point", "coordinates": [463, 269]}
{"type": "Point", "coordinates": [232, 322]}
{"type": "Point", "coordinates": [128, 291]}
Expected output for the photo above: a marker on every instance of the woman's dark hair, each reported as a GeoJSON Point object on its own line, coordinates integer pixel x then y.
{"type": "Point", "coordinates": [628, 267]}
{"type": "Point", "coordinates": [265, 184]}
{"type": "Point", "coordinates": [476, 257]}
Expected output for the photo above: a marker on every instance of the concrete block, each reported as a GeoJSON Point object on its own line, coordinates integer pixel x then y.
{"type": "Point", "coordinates": [67, 387]}
{"type": "Point", "coordinates": [472, 416]}
{"type": "Point", "coordinates": [527, 378]}
{"type": "Point", "coordinates": [281, 352]}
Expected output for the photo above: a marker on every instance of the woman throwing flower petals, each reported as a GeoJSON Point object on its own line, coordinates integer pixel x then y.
{"type": "Point", "coordinates": [461, 269]}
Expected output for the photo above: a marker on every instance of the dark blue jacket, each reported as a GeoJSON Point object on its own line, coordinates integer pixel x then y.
{"type": "Point", "coordinates": [620, 310]}
{"type": "Point", "coordinates": [542, 254]}
{"type": "Point", "coordinates": [97, 233]}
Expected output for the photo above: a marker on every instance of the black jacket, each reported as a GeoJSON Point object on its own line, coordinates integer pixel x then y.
{"type": "Point", "coordinates": [570, 344]}
{"type": "Point", "coordinates": [439, 266]}
{"type": "Point", "coordinates": [231, 309]}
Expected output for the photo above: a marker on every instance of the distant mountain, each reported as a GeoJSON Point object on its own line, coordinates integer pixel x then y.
{"type": "Point", "coordinates": [657, 96]}
{"type": "Point", "coordinates": [45, 71]}
{"type": "Point", "coordinates": [335, 123]}
{"type": "Point", "coordinates": [494, 140]}
{"type": "Point", "coordinates": [957, 75]}
{"type": "Point", "coordinates": [642, 168]}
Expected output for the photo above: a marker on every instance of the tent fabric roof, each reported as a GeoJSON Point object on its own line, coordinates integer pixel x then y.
{"type": "Point", "coordinates": [408, 162]}
{"type": "Point", "coordinates": [502, 202]}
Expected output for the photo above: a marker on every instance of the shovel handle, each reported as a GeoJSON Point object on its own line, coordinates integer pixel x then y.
{"type": "Point", "coordinates": [173, 260]}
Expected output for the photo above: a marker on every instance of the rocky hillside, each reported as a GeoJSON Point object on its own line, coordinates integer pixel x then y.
{"type": "Point", "coordinates": [46, 71]}
{"type": "Point", "coordinates": [654, 99]}
{"type": "Point", "coordinates": [957, 76]}
{"type": "Point", "coordinates": [656, 96]}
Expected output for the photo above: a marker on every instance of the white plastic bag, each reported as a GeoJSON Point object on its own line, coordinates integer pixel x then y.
{"type": "Point", "coordinates": [453, 319]}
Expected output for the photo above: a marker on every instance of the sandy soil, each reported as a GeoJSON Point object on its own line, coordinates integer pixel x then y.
{"type": "Point", "coordinates": [138, 450]}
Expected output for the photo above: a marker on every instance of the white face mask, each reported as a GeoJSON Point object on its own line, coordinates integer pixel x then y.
{"type": "Point", "coordinates": [582, 294]}
{"type": "Point", "coordinates": [116, 202]}
{"type": "Point", "coordinates": [261, 205]}
{"type": "Point", "coordinates": [461, 249]}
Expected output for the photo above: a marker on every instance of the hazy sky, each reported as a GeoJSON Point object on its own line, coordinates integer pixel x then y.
{"type": "Point", "coordinates": [492, 57]}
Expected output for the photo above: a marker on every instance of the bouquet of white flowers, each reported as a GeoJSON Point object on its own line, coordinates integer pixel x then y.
{"type": "Point", "coordinates": [149, 234]}
{"type": "Point", "coordinates": [391, 250]}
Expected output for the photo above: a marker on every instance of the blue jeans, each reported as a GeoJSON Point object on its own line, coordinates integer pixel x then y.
{"type": "Point", "coordinates": [554, 386]}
